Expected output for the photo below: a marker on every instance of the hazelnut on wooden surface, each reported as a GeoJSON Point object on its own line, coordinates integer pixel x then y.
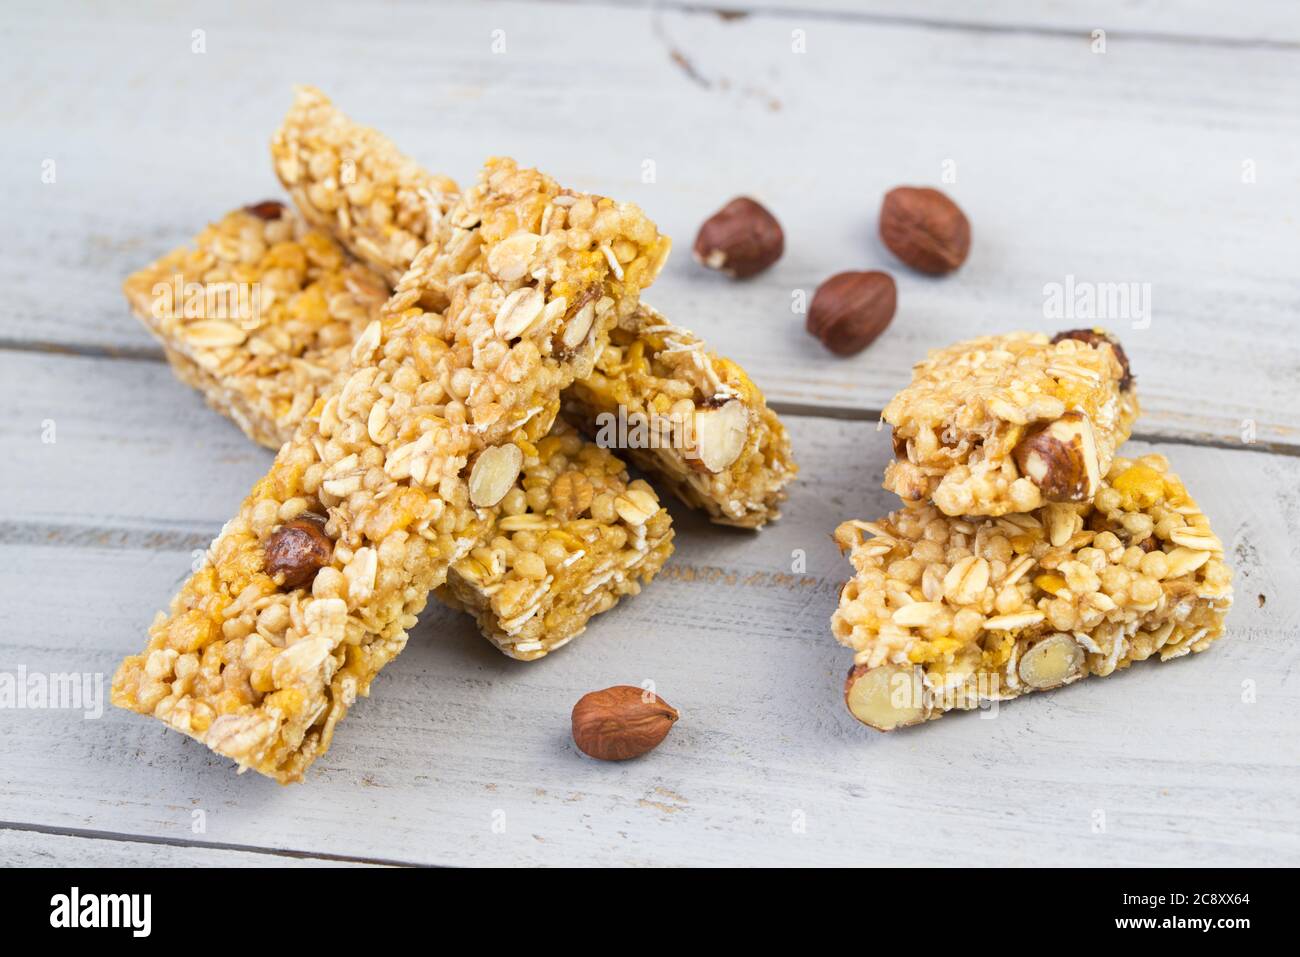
{"type": "Point", "coordinates": [925, 229]}
{"type": "Point", "coordinates": [741, 239]}
{"type": "Point", "coordinates": [851, 309]}
{"type": "Point", "coordinates": [621, 722]}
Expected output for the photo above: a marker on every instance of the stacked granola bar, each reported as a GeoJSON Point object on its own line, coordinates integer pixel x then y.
{"type": "Point", "coordinates": [396, 473]}
{"type": "Point", "coordinates": [420, 448]}
{"type": "Point", "coordinates": [729, 455]}
{"type": "Point", "coordinates": [1030, 554]}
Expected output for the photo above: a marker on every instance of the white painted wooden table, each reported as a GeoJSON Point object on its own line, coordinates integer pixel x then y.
{"type": "Point", "coordinates": [1127, 165]}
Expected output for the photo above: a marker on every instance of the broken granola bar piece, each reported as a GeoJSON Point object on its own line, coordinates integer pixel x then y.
{"type": "Point", "coordinates": [352, 181]}
{"type": "Point", "coordinates": [1010, 423]}
{"type": "Point", "coordinates": [948, 613]}
{"type": "Point", "coordinates": [688, 417]}
{"type": "Point", "coordinates": [573, 535]}
{"type": "Point", "coordinates": [259, 314]}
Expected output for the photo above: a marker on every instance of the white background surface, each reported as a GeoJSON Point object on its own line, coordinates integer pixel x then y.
{"type": "Point", "coordinates": [1115, 167]}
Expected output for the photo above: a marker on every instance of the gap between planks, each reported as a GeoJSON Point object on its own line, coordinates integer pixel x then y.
{"type": "Point", "coordinates": [794, 409]}
{"type": "Point", "coordinates": [850, 413]}
{"type": "Point", "coordinates": [287, 853]}
{"type": "Point", "coordinates": [741, 12]}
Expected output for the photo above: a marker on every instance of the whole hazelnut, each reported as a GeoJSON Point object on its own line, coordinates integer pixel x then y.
{"type": "Point", "coordinates": [851, 309]}
{"type": "Point", "coordinates": [925, 229]}
{"type": "Point", "coordinates": [297, 550]}
{"type": "Point", "coordinates": [741, 239]}
{"type": "Point", "coordinates": [621, 722]}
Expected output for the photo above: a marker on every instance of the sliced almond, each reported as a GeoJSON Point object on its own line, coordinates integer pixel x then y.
{"type": "Point", "coordinates": [214, 334]}
{"type": "Point", "coordinates": [919, 614]}
{"type": "Point", "coordinates": [636, 506]}
{"type": "Point", "coordinates": [720, 436]}
{"type": "Point", "coordinates": [1012, 622]}
{"type": "Point", "coordinates": [366, 343]}
{"type": "Point", "coordinates": [1061, 522]}
{"type": "Point", "coordinates": [576, 329]}
{"type": "Point", "coordinates": [1061, 459]}
{"type": "Point", "coordinates": [1200, 539]}
{"type": "Point", "coordinates": [494, 474]}
{"type": "Point", "coordinates": [518, 312]}
{"type": "Point", "coordinates": [886, 697]}
{"type": "Point", "coordinates": [966, 580]}
{"type": "Point", "coordinates": [1183, 561]}
{"type": "Point", "coordinates": [510, 258]}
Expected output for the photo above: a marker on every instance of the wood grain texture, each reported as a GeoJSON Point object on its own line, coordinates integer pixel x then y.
{"type": "Point", "coordinates": [19, 848]}
{"type": "Point", "coordinates": [1260, 23]}
{"type": "Point", "coordinates": [1119, 167]}
{"type": "Point", "coordinates": [463, 757]}
{"type": "Point", "coordinates": [1125, 166]}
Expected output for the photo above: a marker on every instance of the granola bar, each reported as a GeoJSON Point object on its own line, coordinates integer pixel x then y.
{"type": "Point", "coordinates": [573, 536]}
{"type": "Point", "coordinates": [1010, 423]}
{"type": "Point", "coordinates": [738, 473]}
{"type": "Point", "coordinates": [267, 382]}
{"type": "Point", "coordinates": [395, 474]}
{"type": "Point", "coordinates": [946, 612]}
{"type": "Point", "coordinates": [351, 180]}
{"type": "Point", "coordinates": [691, 418]}
{"type": "Point", "coordinates": [258, 313]}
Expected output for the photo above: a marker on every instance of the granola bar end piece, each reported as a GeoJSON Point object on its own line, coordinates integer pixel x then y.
{"type": "Point", "coordinates": [352, 181]}
{"type": "Point", "coordinates": [692, 419]}
{"type": "Point", "coordinates": [258, 313]}
{"type": "Point", "coordinates": [574, 535]}
{"type": "Point", "coordinates": [948, 613]}
{"type": "Point", "coordinates": [1012, 422]}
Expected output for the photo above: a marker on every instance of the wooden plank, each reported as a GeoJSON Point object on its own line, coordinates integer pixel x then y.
{"type": "Point", "coordinates": [133, 448]}
{"type": "Point", "coordinates": [463, 756]}
{"type": "Point", "coordinates": [1263, 22]}
{"type": "Point", "coordinates": [1122, 167]}
{"type": "Point", "coordinates": [19, 848]}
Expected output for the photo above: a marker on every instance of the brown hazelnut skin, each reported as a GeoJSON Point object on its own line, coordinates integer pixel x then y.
{"type": "Point", "coordinates": [851, 309]}
{"type": "Point", "coordinates": [1094, 338]}
{"type": "Point", "coordinates": [298, 550]}
{"type": "Point", "coordinates": [1060, 457]}
{"type": "Point", "coordinates": [267, 209]}
{"type": "Point", "coordinates": [621, 722]}
{"type": "Point", "coordinates": [741, 239]}
{"type": "Point", "coordinates": [925, 229]}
